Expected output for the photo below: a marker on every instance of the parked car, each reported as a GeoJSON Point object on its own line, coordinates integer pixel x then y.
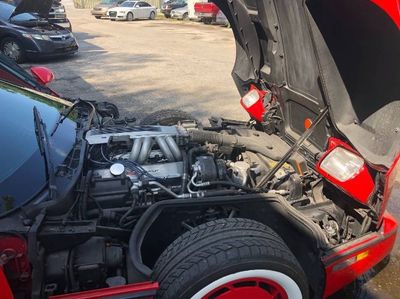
{"type": "Point", "coordinates": [291, 204]}
{"type": "Point", "coordinates": [100, 10]}
{"type": "Point", "coordinates": [131, 10]}
{"type": "Point", "coordinates": [38, 79]}
{"type": "Point", "coordinates": [206, 11]}
{"type": "Point", "coordinates": [170, 5]}
{"type": "Point", "coordinates": [221, 19]}
{"type": "Point", "coordinates": [25, 35]}
{"type": "Point", "coordinates": [181, 13]}
{"type": "Point", "coordinates": [57, 15]}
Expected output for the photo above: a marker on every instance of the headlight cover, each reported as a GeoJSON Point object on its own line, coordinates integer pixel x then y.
{"type": "Point", "coordinates": [37, 36]}
{"type": "Point", "coordinates": [253, 102]}
{"type": "Point", "coordinates": [345, 169]}
{"type": "Point", "coordinates": [342, 164]}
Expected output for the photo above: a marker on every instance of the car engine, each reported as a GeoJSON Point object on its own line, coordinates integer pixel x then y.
{"type": "Point", "coordinates": [138, 166]}
{"type": "Point", "coordinates": [130, 168]}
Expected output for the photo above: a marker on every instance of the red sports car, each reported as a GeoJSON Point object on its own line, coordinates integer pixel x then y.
{"type": "Point", "coordinates": [288, 205]}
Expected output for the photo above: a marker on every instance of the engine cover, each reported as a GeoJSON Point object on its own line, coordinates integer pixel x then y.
{"type": "Point", "coordinates": [102, 136]}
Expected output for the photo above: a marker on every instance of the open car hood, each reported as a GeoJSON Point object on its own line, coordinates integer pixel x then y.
{"type": "Point", "coordinates": [343, 54]}
{"type": "Point", "coordinates": [41, 7]}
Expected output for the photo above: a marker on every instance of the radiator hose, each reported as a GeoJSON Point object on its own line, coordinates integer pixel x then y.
{"type": "Point", "coordinates": [234, 141]}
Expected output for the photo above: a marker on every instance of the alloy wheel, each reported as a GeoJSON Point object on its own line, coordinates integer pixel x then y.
{"type": "Point", "coordinates": [12, 50]}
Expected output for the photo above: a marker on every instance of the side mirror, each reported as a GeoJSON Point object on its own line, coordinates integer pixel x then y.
{"type": "Point", "coordinates": [42, 74]}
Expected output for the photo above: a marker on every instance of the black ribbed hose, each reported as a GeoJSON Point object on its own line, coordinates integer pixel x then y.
{"type": "Point", "coordinates": [234, 141]}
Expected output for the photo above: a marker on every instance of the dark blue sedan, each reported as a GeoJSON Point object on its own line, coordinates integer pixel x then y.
{"type": "Point", "coordinates": [24, 34]}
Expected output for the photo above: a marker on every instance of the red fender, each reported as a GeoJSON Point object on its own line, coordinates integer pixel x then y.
{"type": "Point", "coordinates": [4, 286]}
{"type": "Point", "coordinates": [392, 8]}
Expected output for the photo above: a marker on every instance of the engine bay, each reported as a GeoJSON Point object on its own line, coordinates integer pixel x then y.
{"type": "Point", "coordinates": [131, 168]}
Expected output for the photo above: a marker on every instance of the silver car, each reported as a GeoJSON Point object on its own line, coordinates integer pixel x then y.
{"type": "Point", "coordinates": [181, 13]}
{"type": "Point", "coordinates": [100, 10]}
{"type": "Point", "coordinates": [131, 10]}
{"type": "Point", "coordinates": [221, 19]}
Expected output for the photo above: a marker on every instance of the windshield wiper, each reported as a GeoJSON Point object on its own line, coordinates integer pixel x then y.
{"type": "Point", "coordinates": [44, 148]}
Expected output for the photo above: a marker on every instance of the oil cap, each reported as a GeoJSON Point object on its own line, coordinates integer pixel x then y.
{"type": "Point", "coordinates": [117, 169]}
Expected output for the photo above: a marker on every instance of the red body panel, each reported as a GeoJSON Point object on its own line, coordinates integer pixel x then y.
{"type": "Point", "coordinates": [360, 187]}
{"type": "Point", "coordinates": [139, 290]}
{"type": "Point", "coordinates": [391, 7]}
{"type": "Point", "coordinates": [14, 261]}
{"type": "Point", "coordinates": [42, 74]}
{"type": "Point", "coordinates": [207, 7]}
{"type": "Point", "coordinates": [345, 263]}
{"type": "Point", "coordinates": [256, 110]}
{"type": "Point", "coordinates": [9, 77]}
{"type": "Point", "coordinates": [391, 175]}
{"type": "Point", "coordinates": [5, 290]}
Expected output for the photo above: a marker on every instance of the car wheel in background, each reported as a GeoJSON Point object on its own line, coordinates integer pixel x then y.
{"type": "Point", "coordinates": [207, 21]}
{"type": "Point", "coordinates": [129, 16]}
{"type": "Point", "coordinates": [185, 16]}
{"type": "Point", "coordinates": [152, 15]}
{"type": "Point", "coordinates": [97, 17]}
{"type": "Point", "coordinates": [167, 16]}
{"type": "Point", "coordinates": [230, 258]}
{"type": "Point", "coordinates": [12, 48]}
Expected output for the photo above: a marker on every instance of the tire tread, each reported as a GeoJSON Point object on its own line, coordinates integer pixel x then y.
{"type": "Point", "coordinates": [214, 243]}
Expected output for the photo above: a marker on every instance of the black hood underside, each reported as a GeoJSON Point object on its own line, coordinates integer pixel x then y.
{"type": "Point", "coordinates": [312, 54]}
{"type": "Point", "coordinates": [41, 7]}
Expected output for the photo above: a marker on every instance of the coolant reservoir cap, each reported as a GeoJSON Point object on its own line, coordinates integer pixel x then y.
{"type": "Point", "coordinates": [117, 169]}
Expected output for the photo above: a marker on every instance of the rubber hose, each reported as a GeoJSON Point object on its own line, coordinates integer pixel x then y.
{"type": "Point", "coordinates": [232, 140]}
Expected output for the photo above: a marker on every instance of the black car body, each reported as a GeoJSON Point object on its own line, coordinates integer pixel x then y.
{"type": "Point", "coordinates": [170, 5]}
{"type": "Point", "coordinates": [24, 34]}
{"type": "Point", "coordinates": [290, 204]}
{"type": "Point", "coordinates": [57, 15]}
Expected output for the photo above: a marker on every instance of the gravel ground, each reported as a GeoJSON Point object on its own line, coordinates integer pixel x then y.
{"type": "Point", "coordinates": [144, 66]}
{"type": "Point", "coordinates": [147, 65]}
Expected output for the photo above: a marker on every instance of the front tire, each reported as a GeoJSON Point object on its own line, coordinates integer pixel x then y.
{"type": "Point", "coordinates": [129, 17]}
{"type": "Point", "coordinates": [152, 15]}
{"type": "Point", "coordinates": [12, 48]}
{"type": "Point", "coordinates": [230, 258]}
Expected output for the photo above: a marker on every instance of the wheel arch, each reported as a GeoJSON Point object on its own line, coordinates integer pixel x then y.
{"type": "Point", "coordinates": [161, 224]}
{"type": "Point", "coordinates": [8, 35]}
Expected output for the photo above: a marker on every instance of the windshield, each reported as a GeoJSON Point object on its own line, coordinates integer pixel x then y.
{"type": "Point", "coordinates": [6, 11]}
{"type": "Point", "coordinates": [127, 4]}
{"type": "Point", "coordinates": [24, 17]}
{"type": "Point", "coordinates": [20, 157]}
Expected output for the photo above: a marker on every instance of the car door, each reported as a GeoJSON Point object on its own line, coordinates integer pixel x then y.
{"type": "Point", "coordinates": [147, 9]}
{"type": "Point", "coordinates": [139, 13]}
